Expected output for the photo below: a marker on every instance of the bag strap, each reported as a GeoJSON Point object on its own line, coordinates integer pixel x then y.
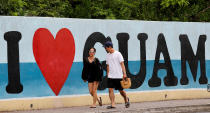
{"type": "Point", "coordinates": [125, 79]}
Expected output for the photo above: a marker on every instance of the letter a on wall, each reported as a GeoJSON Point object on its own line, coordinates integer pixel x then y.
{"type": "Point", "coordinates": [54, 56]}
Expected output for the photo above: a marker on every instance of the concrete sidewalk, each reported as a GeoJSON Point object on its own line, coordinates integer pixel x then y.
{"type": "Point", "coordinates": [180, 106]}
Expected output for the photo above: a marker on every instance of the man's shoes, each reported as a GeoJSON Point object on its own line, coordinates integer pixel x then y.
{"type": "Point", "coordinates": [110, 107]}
{"type": "Point", "coordinates": [127, 104]}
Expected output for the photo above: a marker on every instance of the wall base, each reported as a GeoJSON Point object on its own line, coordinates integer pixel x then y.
{"type": "Point", "coordinates": [83, 100]}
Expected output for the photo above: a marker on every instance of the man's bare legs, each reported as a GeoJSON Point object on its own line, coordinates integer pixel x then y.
{"type": "Point", "coordinates": [123, 94]}
{"type": "Point", "coordinates": [112, 97]}
{"type": "Point", "coordinates": [126, 99]}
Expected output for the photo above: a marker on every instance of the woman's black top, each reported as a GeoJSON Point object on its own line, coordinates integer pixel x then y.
{"type": "Point", "coordinates": [92, 71]}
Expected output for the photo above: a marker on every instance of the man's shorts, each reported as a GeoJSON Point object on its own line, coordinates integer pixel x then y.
{"type": "Point", "coordinates": [114, 83]}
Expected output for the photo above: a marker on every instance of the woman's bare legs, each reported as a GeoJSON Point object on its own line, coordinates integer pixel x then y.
{"type": "Point", "coordinates": [93, 91]}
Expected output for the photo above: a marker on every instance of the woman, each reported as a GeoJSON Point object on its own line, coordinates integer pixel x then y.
{"type": "Point", "coordinates": [91, 73]}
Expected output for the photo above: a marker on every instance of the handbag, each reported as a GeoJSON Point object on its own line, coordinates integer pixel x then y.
{"type": "Point", "coordinates": [125, 83]}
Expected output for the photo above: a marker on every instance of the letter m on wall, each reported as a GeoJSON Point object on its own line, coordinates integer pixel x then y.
{"type": "Point", "coordinates": [187, 55]}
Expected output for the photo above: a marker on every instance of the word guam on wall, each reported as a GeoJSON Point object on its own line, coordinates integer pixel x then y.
{"type": "Point", "coordinates": [55, 57]}
{"type": "Point", "coordinates": [187, 55]}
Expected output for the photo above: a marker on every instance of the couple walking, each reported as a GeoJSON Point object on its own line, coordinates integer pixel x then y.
{"type": "Point", "coordinates": [115, 73]}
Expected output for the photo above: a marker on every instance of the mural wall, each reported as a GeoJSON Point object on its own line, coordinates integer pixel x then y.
{"type": "Point", "coordinates": [43, 56]}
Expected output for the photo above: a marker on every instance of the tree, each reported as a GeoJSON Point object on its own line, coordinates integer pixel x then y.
{"type": "Point", "coordinates": [12, 7]}
{"type": "Point", "coordinates": [175, 10]}
{"type": "Point", "coordinates": [52, 8]}
{"type": "Point", "coordinates": [155, 10]}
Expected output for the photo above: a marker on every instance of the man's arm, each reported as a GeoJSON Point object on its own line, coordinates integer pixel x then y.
{"type": "Point", "coordinates": [107, 70]}
{"type": "Point", "coordinates": [123, 69]}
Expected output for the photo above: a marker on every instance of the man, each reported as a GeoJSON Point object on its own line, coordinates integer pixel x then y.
{"type": "Point", "coordinates": [115, 73]}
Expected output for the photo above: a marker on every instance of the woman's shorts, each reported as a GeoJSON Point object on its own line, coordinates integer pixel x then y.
{"type": "Point", "coordinates": [93, 78]}
{"type": "Point", "coordinates": [114, 83]}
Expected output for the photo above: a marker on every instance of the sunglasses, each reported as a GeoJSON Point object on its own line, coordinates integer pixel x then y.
{"type": "Point", "coordinates": [91, 51]}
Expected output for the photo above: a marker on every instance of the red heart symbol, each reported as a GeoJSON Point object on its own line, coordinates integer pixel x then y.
{"type": "Point", "coordinates": [54, 56]}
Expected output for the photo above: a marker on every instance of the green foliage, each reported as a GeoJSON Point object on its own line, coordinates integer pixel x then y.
{"type": "Point", "coordinates": [155, 10]}
{"type": "Point", "coordinates": [11, 7]}
{"type": "Point", "coordinates": [81, 8]}
{"type": "Point", "coordinates": [52, 8]}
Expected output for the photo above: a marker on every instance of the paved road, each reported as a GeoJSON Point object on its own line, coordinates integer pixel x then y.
{"type": "Point", "coordinates": [172, 106]}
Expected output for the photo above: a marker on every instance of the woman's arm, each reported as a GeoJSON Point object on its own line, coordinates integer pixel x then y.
{"type": "Point", "coordinates": [84, 70]}
{"type": "Point", "coordinates": [99, 70]}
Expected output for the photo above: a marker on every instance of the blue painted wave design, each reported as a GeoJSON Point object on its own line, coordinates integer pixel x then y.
{"type": "Point", "coordinates": [34, 84]}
